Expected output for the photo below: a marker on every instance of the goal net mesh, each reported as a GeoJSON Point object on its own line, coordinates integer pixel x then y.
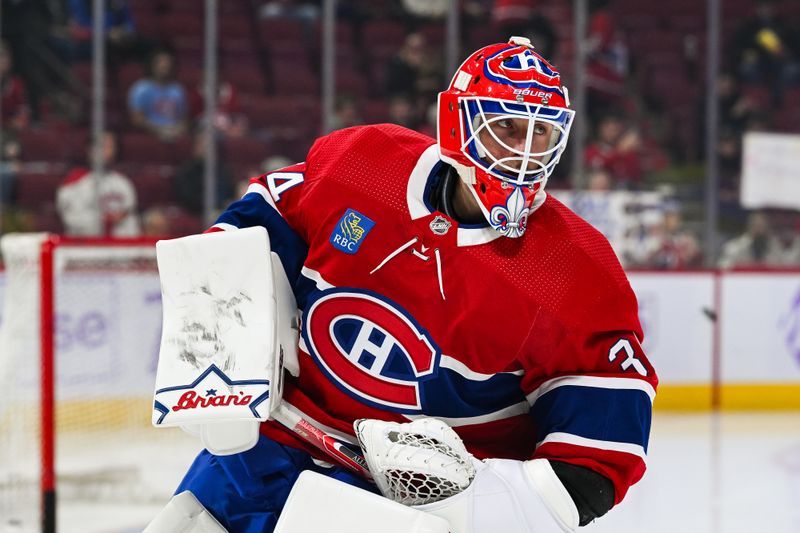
{"type": "Point", "coordinates": [106, 336]}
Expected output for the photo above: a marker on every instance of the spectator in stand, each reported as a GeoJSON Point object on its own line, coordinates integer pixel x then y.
{"type": "Point", "coordinates": [155, 222]}
{"type": "Point", "coordinates": [607, 61]}
{"type": "Point", "coordinates": [736, 111]}
{"type": "Point", "coordinates": [122, 42]}
{"type": "Point", "coordinates": [431, 116]}
{"type": "Point", "coordinates": [414, 71]}
{"type": "Point", "coordinates": [229, 121]}
{"type": "Point", "coordinates": [599, 181]}
{"type": "Point", "coordinates": [14, 106]}
{"type": "Point", "coordinates": [403, 112]}
{"type": "Point", "coordinates": [90, 205]}
{"type": "Point", "coordinates": [306, 11]}
{"type": "Point", "coordinates": [10, 165]}
{"type": "Point", "coordinates": [346, 113]}
{"type": "Point", "coordinates": [158, 103]}
{"type": "Point", "coordinates": [616, 150]}
{"type": "Point", "coordinates": [767, 50]}
{"type": "Point", "coordinates": [27, 27]}
{"type": "Point", "coordinates": [189, 178]}
{"type": "Point", "coordinates": [735, 108]}
{"type": "Point", "coordinates": [760, 246]}
{"type": "Point", "coordinates": [729, 156]}
{"type": "Point", "coordinates": [677, 248]}
{"type": "Point", "coordinates": [521, 17]}
{"type": "Point", "coordinates": [270, 164]}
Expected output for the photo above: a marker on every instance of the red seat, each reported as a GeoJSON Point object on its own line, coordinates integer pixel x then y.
{"type": "Point", "coordinates": [181, 23]}
{"type": "Point", "coordinates": [343, 35]}
{"type": "Point", "coordinates": [284, 112]}
{"type": "Point", "coordinates": [759, 95]}
{"type": "Point", "coordinates": [294, 79]}
{"type": "Point", "coordinates": [351, 82]}
{"type": "Point", "coordinates": [129, 74]}
{"type": "Point", "coordinates": [43, 145]}
{"type": "Point", "coordinates": [183, 223]}
{"type": "Point", "coordinates": [152, 189]}
{"type": "Point", "coordinates": [383, 32]}
{"type": "Point", "coordinates": [145, 148]}
{"type": "Point", "coordinates": [295, 148]}
{"type": "Point", "coordinates": [244, 151]}
{"type": "Point", "coordinates": [35, 189]}
{"type": "Point", "coordinates": [434, 35]}
{"type": "Point", "coordinates": [47, 219]}
{"type": "Point", "coordinates": [375, 111]}
{"type": "Point", "coordinates": [281, 29]}
{"type": "Point", "coordinates": [234, 26]}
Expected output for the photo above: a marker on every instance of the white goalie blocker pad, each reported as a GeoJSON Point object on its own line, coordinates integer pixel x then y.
{"type": "Point", "coordinates": [230, 327]}
{"type": "Point", "coordinates": [425, 464]}
{"type": "Point", "coordinates": [320, 503]}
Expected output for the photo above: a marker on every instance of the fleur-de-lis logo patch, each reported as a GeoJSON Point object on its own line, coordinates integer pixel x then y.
{"type": "Point", "coordinates": [510, 219]}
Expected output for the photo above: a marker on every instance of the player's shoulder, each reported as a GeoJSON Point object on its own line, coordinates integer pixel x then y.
{"type": "Point", "coordinates": [373, 141]}
{"type": "Point", "coordinates": [74, 176]}
{"type": "Point", "coordinates": [580, 243]}
{"type": "Point", "coordinates": [583, 281]}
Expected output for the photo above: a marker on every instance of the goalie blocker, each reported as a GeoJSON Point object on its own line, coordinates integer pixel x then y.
{"type": "Point", "coordinates": [229, 330]}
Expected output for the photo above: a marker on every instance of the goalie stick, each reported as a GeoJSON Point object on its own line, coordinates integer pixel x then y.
{"type": "Point", "coordinates": [346, 454]}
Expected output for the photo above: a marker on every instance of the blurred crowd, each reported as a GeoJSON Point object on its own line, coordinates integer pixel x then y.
{"type": "Point", "coordinates": [643, 178]}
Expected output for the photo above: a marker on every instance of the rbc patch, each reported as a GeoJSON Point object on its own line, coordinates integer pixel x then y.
{"type": "Point", "coordinates": [350, 231]}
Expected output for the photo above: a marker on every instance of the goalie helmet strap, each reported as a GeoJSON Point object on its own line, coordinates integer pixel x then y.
{"type": "Point", "coordinates": [592, 493]}
{"type": "Point", "coordinates": [442, 195]}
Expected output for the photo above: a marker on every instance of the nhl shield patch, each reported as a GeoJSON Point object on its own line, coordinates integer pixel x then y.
{"type": "Point", "coordinates": [440, 225]}
{"type": "Point", "coordinates": [350, 231]}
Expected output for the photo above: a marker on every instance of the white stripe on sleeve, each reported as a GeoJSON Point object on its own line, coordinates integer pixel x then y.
{"type": "Point", "coordinates": [224, 226]}
{"type": "Point", "coordinates": [517, 409]}
{"type": "Point", "coordinates": [262, 191]}
{"type": "Point", "coordinates": [568, 438]}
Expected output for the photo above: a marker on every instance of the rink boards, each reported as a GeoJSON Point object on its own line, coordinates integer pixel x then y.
{"type": "Point", "coordinates": [731, 338]}
{"type": "Point", "coordinates": [727, 337]}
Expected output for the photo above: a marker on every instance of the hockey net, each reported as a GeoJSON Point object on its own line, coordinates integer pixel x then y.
{"type": "Point", "coordinates": [79, 338]}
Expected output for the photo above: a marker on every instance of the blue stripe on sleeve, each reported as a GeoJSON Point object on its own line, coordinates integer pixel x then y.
{"type": "Point", "coordinates": [450, 394]}
{"type": "Point", "coordinates": [615, 415]}
{"type": "Point", "coordinates": [251, 211]}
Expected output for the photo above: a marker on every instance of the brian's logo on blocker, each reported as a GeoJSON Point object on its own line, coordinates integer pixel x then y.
{"type": "Point", "coordinates": [350, 231]}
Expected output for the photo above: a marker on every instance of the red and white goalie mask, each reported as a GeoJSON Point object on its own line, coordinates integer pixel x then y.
{"type": "Point", "coordinates": [503, 124]}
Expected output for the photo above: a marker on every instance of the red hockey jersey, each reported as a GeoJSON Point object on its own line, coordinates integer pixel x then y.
{"type": "Point", "coordinates": [527, 347]}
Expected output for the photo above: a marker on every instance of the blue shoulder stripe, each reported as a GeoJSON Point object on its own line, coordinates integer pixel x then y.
{"type": "Point", "coordinates": [617, 415]}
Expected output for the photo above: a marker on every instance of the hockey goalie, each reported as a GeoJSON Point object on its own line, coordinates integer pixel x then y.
{"type": "Point", "coordinates": [408, 334]}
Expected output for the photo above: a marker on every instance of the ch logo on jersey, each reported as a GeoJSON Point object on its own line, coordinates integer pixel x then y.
{"type": "Point", "coordinates": [370, 348]}
{"type": "Point", "coordinates": [512, 65]}
{"type": "Point", "coordinates": [350, 231]}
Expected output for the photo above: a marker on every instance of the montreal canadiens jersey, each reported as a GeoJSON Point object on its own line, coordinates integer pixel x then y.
{"type": "Point", "coordinates": [527, 347]}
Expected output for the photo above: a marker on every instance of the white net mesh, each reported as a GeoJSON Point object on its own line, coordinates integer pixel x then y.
{"type": "Point", "coordinates": [414, 487]}
{"type": "Point", "coordinates": [107, 332]}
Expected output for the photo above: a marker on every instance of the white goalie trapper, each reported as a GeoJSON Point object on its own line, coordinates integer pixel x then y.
{"type": "Point", "coordinates": [426, 465]}
{"type": "Point", "coordinates": [229, 329]}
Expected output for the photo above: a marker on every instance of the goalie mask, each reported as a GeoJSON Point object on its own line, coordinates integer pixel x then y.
{"type": "Point", "coordinates": [503, 124]}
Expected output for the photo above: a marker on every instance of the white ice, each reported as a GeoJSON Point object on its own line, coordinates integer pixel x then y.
{"type": "Point", "coordinates": [727, 473]}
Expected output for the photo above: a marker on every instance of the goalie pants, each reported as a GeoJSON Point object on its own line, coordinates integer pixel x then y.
{"type": "Point", "coordinates": [246, 492]}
